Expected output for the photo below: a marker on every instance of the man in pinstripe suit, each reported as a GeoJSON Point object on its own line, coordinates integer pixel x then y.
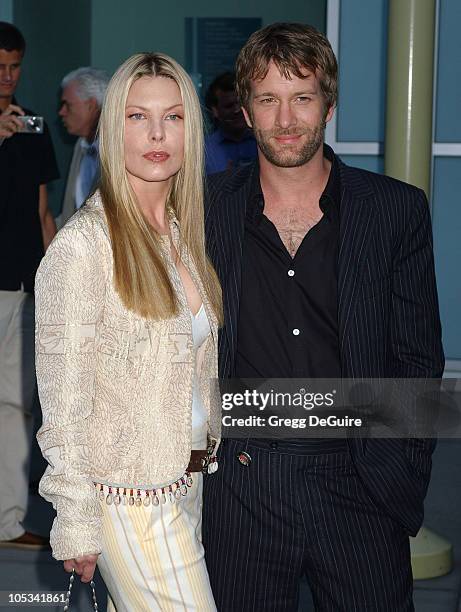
{"type": "Point", "coordinates": [327, 271]}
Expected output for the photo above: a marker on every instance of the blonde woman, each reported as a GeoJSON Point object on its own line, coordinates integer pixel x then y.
{"type": "Point", "coordinates": [127, 315]}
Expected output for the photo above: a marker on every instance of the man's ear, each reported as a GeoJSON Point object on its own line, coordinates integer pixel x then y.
{"type": "Point", "coordinates": [247, 117]}
{"type": "Point", "coordinates": [93, 105]}
{"type": "Point", "coordinates": [329, 114]}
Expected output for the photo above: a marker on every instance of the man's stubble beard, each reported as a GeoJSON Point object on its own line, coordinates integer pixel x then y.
{"type": "Point", "coordinates": [290, 158]}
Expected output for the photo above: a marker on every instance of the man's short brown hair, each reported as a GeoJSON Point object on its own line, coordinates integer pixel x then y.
{"type": "Point", "coordinates": [292, 47]}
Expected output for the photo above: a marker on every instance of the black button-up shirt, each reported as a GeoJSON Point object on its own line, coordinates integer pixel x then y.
{"type": "Point", "coordinates": [288, 318]}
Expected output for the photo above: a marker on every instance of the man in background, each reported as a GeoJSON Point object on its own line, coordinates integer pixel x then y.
{"type": "Point", "coordinates": [27, 164]}
{"type": "Point", "coordinates": [232, 143]}
{"type": "Point", "coordinates": [82, 95]}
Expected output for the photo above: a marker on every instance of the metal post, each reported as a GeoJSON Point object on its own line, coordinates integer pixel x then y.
{"type": "Point", "coordinates": [410, 68]}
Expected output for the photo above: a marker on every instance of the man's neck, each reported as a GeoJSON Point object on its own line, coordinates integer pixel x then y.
{"type": "Point", "coordinates": [298, 186]}
{"type": "Point", "coordinates": [91, 135]}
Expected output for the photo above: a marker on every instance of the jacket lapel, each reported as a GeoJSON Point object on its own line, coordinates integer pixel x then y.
{"type": "Point", "coordinates": [357, 218]}
{"type": "Point", "coordinates": [68, 206]}
{"type": "Point", "coordinates": [230, 228]}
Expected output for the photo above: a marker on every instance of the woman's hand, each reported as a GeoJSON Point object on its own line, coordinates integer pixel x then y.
{"type": "Point", "coordinates": [84, 566]}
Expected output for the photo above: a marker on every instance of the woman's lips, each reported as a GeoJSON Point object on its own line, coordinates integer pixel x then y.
{"type": "Point", "coordinates": [156, 156]}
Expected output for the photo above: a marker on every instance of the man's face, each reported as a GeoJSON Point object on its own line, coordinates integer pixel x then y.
{"type": "Point", "coordinates": [288, 117]}
{"type": "Point", "coordinates": [10, 71]}
{"type": "Point", "coordinates": [78, 116]}
{"type": "Point", "coordinates": [227, 110]}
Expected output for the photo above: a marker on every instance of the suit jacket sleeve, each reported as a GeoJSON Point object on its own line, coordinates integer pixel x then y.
{"type": "Point", "coordinates": [69, 303]}
{"type": "Point", "coordinates": [416, 329]}
{"type": "Point", "coordinates": [396, 471]}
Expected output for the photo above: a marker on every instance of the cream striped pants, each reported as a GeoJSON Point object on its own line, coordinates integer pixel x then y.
{"type": "Point", "coordinates": [153, 558]}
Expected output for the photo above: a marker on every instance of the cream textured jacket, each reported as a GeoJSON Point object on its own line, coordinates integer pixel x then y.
{"type": "Point", "coordinates": [115, 388]}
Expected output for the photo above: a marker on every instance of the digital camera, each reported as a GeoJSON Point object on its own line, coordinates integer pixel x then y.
{"type": "Point", "coordinates": [30, 125]}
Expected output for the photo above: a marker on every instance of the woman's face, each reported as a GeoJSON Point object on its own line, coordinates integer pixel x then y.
{"type": "Point", "coordinates": [154, 130]}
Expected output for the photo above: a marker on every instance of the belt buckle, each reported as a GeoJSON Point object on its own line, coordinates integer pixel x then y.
{"type": "Point", "coordinates": [205, 461]}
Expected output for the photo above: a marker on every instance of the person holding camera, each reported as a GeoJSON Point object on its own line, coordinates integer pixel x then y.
{"type": "Point", "coordinates": [27, 164]}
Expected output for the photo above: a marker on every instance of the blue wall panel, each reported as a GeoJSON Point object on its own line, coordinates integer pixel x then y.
{"type": "Point", "coordinates": [121, 28]}
{"type": "Point", "coordinates": [362, 68]}
{"type": "Point", "coordinates": [446, 220]}
{"type": "Point", "coordinates": [448, 125]}
{"type": "Point", "coordinates": [6, 10]}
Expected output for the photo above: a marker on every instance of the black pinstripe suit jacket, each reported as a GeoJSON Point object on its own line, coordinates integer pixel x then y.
{"type": "Point", "coordinates": [388, 317]}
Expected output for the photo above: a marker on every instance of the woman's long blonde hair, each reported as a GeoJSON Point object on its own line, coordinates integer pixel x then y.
{"type": "Point", "coordinates": [140, 275]}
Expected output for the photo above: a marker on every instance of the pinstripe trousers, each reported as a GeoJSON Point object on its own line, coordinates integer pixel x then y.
{"type": "Point", "coordinates": [290, 514]}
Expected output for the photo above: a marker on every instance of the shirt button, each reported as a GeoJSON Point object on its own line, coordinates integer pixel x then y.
{"type": "Point", "coordinates": [291, 272]}
{"type": "Point", "coordinates": [296, 332]}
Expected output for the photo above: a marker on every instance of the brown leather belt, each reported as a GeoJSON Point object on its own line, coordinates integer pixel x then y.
{"type": "Point", "coordinates": [199, 460]}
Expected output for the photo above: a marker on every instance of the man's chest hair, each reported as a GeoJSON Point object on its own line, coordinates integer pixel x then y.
{"type": "Point", "coordinates": [293, 223]}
